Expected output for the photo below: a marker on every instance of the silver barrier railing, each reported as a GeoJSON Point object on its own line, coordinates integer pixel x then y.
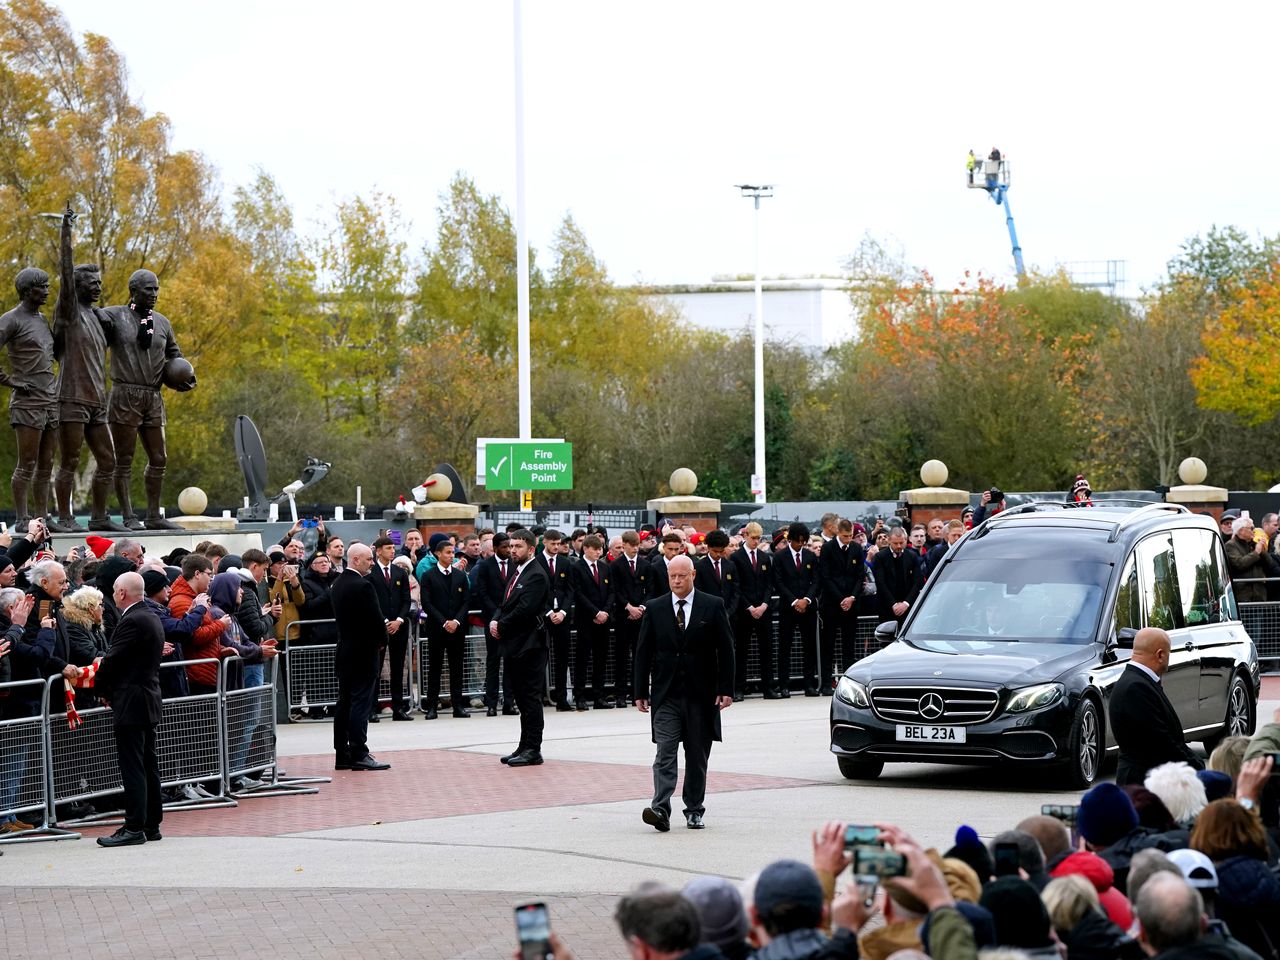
{"type": "Point", "coordinates": [474, 656]}
{"type": "Point", "coordinates": [1261, 620]}
{"type": "Point", "coordinates": [24, 765]}
{"type": "Point", "coordinates": [249, 736]}
{"type": "Point", "coordinates": [190, 751]}
{"type": "Point", "coordinates": [311, 678]}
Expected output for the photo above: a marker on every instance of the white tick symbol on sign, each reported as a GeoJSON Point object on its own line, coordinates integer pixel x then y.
{"type": "Point", "coordinates": [495, 470]}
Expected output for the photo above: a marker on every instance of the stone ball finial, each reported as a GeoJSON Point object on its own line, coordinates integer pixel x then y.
{"type": "Point", "coordinates": [683, 482]}
{"type": "Point", "coordinates": [192, 501]}
{"type": "Point", "coordinates": [1192, 471]}
{"type": "Point", "coordinates": [933, 473]}
{"type": "Point", "coordinates": [439, 487]}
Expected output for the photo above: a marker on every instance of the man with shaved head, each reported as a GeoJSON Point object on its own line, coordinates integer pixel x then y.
{"type": "Point", "coordinates": [362, 631]}
{"type": "Point", "coordinates": [129, 678]}
{"type": "Point", "coordinates": [1147, 729]}
{"type": "Point", "coordinates": [684, 672]}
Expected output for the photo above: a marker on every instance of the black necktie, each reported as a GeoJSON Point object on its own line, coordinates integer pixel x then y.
{"type": "Point", "coordinates": [680, 614]}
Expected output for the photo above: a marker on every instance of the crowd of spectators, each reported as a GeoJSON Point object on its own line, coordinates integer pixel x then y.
{"type": "Point", "coordinates": [1182, 866]}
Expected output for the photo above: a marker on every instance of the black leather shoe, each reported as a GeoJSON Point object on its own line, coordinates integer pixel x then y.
{"type": "Point", "coordinates": [510, 712]}
{"type": "Point", "coordinates": [491, 711]}
{"type": "Point", "coordinates": [525, 758]}
{"type": "Point", "coordinates": [785, 694]}
{"type": "Point", "coordinates": [582, 706]}
{"type": "Point", "coordinates": [694, 821]}
{"type": "Point", "coordinates": [603, 705]}
{"type": "Point", "coordinates": [739, 697]}
{"type": "Point", "coordinates": [153, 835]}
{"type": "Point", "coordinates": [432, 714]}
{"type": "Point", "coordinates": [123, 838]}
{"type": "Point", "coordinates": [461, 712]}
{"type": "Point", "coordinates": [772, 695]}
{"type": "Point", "coordinates": [826, 692]}
{"type": "Point", "coordinates": [369, 763]}
{"type": "Point", "coordinates": [401, 715]}
{"type": "Point", "coordinates": [810, 691]}
{"type": "Point", "coordinates": [514, 753]}
{"type": "Point", "coordinates": [341, 763]}
{"type": "Point", "coordinates": [655, 819]}
{"type": "Point", "coordinates": [374, 718]}
{"type": "Point", "coordinates": [563, 707]}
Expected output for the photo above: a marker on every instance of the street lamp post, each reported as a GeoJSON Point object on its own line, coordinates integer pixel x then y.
{"type": "Point", "coordinates": [755, 192]}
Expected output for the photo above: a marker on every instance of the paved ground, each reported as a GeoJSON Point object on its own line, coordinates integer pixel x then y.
{"type": "Point", "coordinates": [427, 859]}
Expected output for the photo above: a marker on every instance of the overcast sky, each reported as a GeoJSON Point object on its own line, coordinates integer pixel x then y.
{"type": "Point", "coordinates": [1129, 126]}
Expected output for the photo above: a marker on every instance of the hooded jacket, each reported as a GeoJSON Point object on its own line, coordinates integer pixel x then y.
{"type": "Point", "coordinates": [205, 641]}
{"type": "Point", "coordinates": [1099, 873]}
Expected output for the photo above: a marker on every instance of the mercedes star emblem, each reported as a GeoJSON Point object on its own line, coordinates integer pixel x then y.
{"type": "Point", "coordinates": [931, 706]}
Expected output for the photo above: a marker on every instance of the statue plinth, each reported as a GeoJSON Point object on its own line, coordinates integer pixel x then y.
{"type": "Point", "coordinates": [933, 503]}
{"type": "Point", "coordinates": [206, 524]}
{"type": "Point", "coordinates": [445, 516]}
{"type": "Point", "coordinates": [1199, 498]}
{"type": "Point", "coordinates": [701, 513]}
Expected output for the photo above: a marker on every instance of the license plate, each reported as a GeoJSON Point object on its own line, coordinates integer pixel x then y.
{"type": "Point", "coordinates": [913, 733]}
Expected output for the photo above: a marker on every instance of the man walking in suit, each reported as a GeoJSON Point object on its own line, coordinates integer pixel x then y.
{"type": "Point", "coordinates": [898, 577]}
{"type": "Point", "coordinates": [518, 626]}
{"type": "Point", "coordinates": [840, 569]}
{"type": "Point", "coordinates": [1147, 729]}
{"type": "Point", "coordinates": [795, 575]}
{"type": "Point", "coordinates": [444, 606]}
{"type": "Point", "coordinates": [684, 669]}
{"type": "Point", "coordinates": [593, 613]}
{"type": "Point", "coordinates": [488, 587]}
{"type": "Point", "coordinates": [631, 591]}
{"type": "Point", "coordinates": [755, 578]}
{"type": "Point", "coordinates": [362, 632]}
{"type": "Point", "coordinates": [391, 583]}
{"type": "Point", "coordinates": [129, 678]}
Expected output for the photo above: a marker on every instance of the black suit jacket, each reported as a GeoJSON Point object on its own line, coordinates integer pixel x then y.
{"type": "Point", "coordinates": [362, 627]}
{"type": "Point", "coordinates": [590, 598]}
{"type": "Point", "coordinates": [692, 666]}
{"type": "Point", "coordinates": [129, 675]}
{"type": "Point", "coordinates": [488, 587]}
{"type": "Point", "coordinates": [795, 583]}
{"type": "Point", "coordinates": [724, 586]}
{"type": "Point", "coordinates": [896, 580]}
{"type": "Point", "coordinates": [1146, 727]}
{"type": "Point", "coordinates": [657, 576]}
{"type": "Point", "coordinates": [444, 598]}
{"type": "Point", "coordinates": [756, 584]}
{"type": "Point", "coordinates": [629, 588]}
{"type": "Point", "coordinates": [394, 599]}
{"type": "Point", "coordinates": [559, 586]}
{"type": "Point", "coordinates": [840, 573]}
{"type": "Point", "coordinates": [520, 624]}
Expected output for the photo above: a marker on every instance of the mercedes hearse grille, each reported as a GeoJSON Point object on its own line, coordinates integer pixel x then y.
{"type": "Point", "coordinates": [933, 704]}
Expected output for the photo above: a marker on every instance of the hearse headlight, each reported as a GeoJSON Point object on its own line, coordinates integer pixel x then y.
{"type": "Point", "coordinates": [853, 693]}
{"type": "Point", "coordinates": [1033, 698]}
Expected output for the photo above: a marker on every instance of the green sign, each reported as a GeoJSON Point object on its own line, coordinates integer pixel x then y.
{"type": "Point", "coordinates": [528, 466]}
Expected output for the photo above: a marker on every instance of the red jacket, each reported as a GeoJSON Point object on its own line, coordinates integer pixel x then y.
{"type": "Point", "coordinates": [205, 643]}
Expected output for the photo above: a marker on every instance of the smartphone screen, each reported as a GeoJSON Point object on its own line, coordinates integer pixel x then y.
{"type": "Point", "coordinates": [860, 836]}
{"type": "Point", "coordinates": [1007, 860]}
{"type": "Point", "coordinates": [533, 930]}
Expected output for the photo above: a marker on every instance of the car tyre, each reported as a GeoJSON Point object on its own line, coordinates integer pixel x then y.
{"type": "Point", "coordinates": [859, 769]}
{"type": "Point", "coordinates": [1085, 746]}
{"type": "Point", "coordinates": [1241, 714]}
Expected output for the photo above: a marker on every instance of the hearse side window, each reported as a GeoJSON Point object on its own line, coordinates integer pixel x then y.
{"type": "Point", "coordinates": [1160, 595]}
{"type": "Point", "coordinates": [1128, 599]}
{"type": "Point", "coordinates": [1199, 584]}
{"type": "Point", "coordinates": [1221, 583]}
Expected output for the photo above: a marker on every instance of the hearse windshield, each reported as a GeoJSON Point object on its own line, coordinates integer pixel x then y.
{"type": "Point", "coordinates": [983, 603]}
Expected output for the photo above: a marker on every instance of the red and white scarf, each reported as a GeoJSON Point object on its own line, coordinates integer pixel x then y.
{"type": "Point", "coordinates": [84, 681]}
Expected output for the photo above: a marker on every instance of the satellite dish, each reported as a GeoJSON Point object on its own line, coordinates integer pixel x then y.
{"type": "Point", "coordinates": [457, 496]}
{"type": "Point", "coordinates": [252, 457]}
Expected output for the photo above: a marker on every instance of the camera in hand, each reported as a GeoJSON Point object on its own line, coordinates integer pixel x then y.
{"type": "Point", "coordinates": [1007, 860]}
{"type": "Point", "coordinates": [996, 494]}
{"type": "Point", "coordinates": [1068, 813]}
{"type": "Point", "coordinates": [308, 523]}
{"type": "Point", "coordinates": [878, 862]}
{"type": "Point", "coordinates": [533, 930]}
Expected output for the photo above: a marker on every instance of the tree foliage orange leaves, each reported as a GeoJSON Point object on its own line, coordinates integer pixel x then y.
{"type": "Point", "coordinates": [1236, 374]}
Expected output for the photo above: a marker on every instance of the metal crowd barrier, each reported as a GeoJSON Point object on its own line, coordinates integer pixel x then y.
{"type": "Point", "coordinates": [24, 766]}
{"type": "Point", "coordinates": [249, 738]}
{"type": "Point", "coordinates": [189, 750]}
{"type": "Point", "coordinates": [1262, 620]}
{"type": "Point", "coordinates": [311, 676]}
